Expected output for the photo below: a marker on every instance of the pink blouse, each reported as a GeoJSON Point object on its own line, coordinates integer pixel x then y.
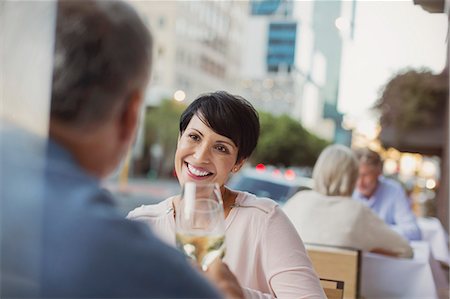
{"type": "Point", "coordinates": [263, 249]}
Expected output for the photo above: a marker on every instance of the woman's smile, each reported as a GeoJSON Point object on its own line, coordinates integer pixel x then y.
{"type": "Point", "coordinates": [197, 172]}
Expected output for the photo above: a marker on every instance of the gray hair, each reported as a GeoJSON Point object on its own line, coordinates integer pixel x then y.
{"type": "Point", "coordinates": [336, 171]}
{"type": "Point", "coordinates": [369, 157]}
{"type": "Point", "coordinates": [102, 54]}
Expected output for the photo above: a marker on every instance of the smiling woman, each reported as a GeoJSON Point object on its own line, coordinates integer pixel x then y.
{"type": "Point", "coordinates": [201, 153]}
{"type": "Point", "coordinates": [218, 132]}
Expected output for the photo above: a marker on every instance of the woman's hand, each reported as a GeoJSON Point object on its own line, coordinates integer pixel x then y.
{"type": "Point", "coordinates": [221, 276]}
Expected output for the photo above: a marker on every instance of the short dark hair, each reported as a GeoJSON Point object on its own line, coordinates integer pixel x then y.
{"type": "Point", "coordinates": [228, 115]}
{"type": "Point", "coordinates": [102, 54]}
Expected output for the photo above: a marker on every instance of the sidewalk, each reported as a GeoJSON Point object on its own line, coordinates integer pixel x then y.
{"type": "Point", "coordinates": [141, 191]}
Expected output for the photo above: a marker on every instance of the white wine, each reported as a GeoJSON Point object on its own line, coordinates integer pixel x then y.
{"type": "Point", "coordinates": [203, 249]}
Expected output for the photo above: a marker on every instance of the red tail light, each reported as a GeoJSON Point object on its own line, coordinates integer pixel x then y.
{"type": "Point", "coordinates": [289, 175]}
{"type": "Point", "coordinates": [260, 167]}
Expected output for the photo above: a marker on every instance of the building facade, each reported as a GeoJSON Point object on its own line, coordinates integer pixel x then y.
{"type": "Point", "coordinates": [292, 61]}
{"type": "Point", "coordinates": [196, 45]}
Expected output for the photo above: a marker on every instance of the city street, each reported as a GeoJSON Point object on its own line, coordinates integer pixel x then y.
{"type": "Point", "coordinates": [141, 191]}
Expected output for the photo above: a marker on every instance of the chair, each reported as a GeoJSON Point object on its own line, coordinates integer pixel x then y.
{"type": "Point", "coordinates": [338, 264]}
{"type": "Point", "coordinates": [333, 289]}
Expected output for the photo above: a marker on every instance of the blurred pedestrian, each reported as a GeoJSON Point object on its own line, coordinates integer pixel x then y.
{"type": "Point", "coordinates": [328, 215]}
{"type": "Point", "coordinates": [386, 197]}
{"type": "Point", "coordinates": [218, 132]}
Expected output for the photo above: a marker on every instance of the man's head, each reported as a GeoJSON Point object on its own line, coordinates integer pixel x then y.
{"type": "Point", "coordinates": [102, 64]}
{"type": "Point", "coordinates": [370, 168]}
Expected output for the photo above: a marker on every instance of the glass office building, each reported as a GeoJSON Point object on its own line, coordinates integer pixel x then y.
{"type": "Point", "coordinates": [281, 46]}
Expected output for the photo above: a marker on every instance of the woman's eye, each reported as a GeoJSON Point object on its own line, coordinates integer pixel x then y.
{"type": "Point", "coordinates": [222, 148]}
{"type": "Point", "coordinates": [194, 137]}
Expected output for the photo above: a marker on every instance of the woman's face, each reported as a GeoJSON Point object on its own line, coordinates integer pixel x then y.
{"type": "Point", "coordinates": [204, 156]}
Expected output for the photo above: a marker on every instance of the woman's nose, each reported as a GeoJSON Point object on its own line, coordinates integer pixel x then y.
{"type": "Point", "coordinates": [202, 153]}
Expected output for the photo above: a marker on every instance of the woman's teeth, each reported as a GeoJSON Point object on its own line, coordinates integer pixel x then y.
{"type": "Point", "coordinates": [197, 172]}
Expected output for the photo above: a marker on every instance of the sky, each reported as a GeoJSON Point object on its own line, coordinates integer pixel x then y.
{"type": "Point", "coordinates": [389, 36]}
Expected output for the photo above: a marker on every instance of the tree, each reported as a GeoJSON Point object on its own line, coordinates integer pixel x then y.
{"type": "Point", "coordinates": [161, 127]}
{"type": "Point", "coordinates": [284, 141]}
{"type": "Point", "coordinates": [413, 99]}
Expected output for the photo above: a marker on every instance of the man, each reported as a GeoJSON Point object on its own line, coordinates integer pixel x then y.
{"type": "Point", "coordinates": [384, 196]}
{"type": "Point", "coordinates": [61, 236]}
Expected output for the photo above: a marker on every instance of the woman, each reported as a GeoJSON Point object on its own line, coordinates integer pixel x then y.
{"type": "Point", "coordinates": [218, 132]}
{"type": "Point", "coordinates": [328, 215]}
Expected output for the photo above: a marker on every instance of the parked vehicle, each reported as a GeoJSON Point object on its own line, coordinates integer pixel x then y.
{"type": "Point", "coordinates": [263, 181]}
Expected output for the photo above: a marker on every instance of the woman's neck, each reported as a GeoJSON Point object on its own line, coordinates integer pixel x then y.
{"type": "Point", "coordinates": [229, 199]}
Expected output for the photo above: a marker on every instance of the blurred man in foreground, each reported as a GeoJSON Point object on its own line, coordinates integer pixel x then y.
{"type": "Point", "coordinates": [77, 245]}
{"type": "Point", "coordinates": [384, 196]}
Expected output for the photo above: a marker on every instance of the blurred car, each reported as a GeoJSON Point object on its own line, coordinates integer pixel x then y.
{"type": "Point", "coordinates": [274, 183]}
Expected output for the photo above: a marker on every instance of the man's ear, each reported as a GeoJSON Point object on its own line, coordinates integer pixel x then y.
{"type": "Point", "coordinates": [130, 115]}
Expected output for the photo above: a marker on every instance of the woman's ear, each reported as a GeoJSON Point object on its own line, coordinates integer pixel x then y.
{"type": "Point", "coordinates": [238, 165]}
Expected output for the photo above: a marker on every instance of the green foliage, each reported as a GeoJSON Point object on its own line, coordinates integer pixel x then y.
{"type": "Point", "coordinates": [283, 141]}
{"type": "Point", "coordinates": [412, 99]}
{"type": "Point", "coordinates": [161, 126]}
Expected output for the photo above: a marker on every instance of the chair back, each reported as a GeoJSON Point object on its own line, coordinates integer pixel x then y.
{"type": "Point", "coordinates": [338, 264]}
{"type": "Point", "coordinates": [333, 289]}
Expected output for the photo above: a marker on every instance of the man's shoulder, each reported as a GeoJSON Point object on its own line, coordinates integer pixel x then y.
{"type": "Point", "coordinates": [116, 250]}
{"type": "Point", "coordinates": [390, 185]}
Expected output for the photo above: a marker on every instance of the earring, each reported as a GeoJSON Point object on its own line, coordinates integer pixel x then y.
{"type": "Point", "coordinates": [235, 169]}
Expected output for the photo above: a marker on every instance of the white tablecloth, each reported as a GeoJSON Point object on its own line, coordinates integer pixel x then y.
{"type": "Point", "coordinates": [386, 277]}
{"type": "Point", "coordinates": [435, 235]}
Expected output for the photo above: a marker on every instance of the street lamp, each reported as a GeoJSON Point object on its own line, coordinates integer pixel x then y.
{"type": "Point", "coordinates": [179, 96]}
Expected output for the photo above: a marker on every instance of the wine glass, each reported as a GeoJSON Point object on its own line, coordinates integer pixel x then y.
{"type": "Point", "coordinates": [200, 223]}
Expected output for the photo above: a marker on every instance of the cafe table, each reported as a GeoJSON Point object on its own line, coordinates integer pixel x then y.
{"type": "Point", "coordinates": [387, 277]}
{"type": "Point", "coordinates": [435, 235]}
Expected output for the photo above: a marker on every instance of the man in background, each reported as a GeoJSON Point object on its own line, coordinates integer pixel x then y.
{"type": "Point", "coordinates": [384, 196]}
{"type": "Point", "coordinates": [64, 238]}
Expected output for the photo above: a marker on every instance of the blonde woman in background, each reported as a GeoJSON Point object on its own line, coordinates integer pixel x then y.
{"type": "Point", "coordinates": [327, 214]}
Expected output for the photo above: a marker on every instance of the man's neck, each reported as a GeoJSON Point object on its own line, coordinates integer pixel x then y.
{"type": "Point", "coordinates": [371, 195]}
{"type": "Point", "coordinates": [82, 144]}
